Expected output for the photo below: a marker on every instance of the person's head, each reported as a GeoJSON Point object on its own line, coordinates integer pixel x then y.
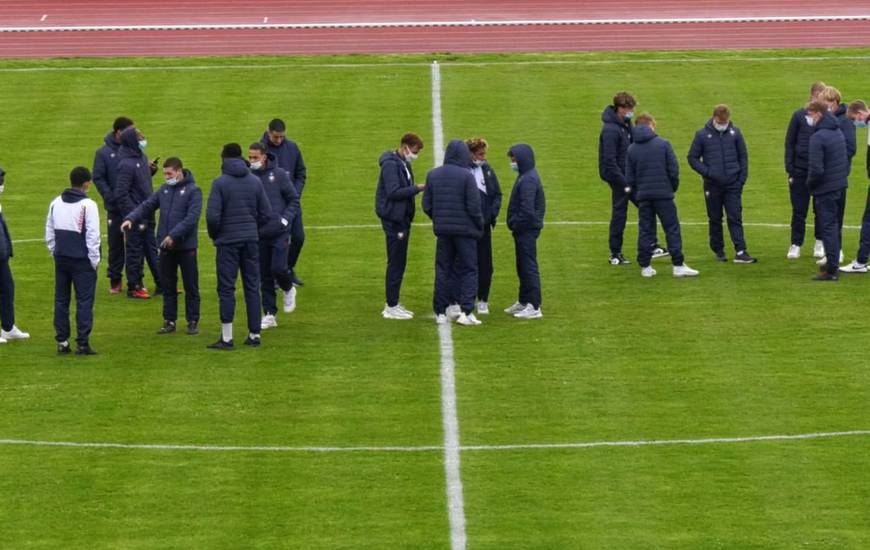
{"type": "Point", "coordinates": [173, 170]}
{"type": "Point", "coordinates": [815, 111]}
{"type": "Point", "coordinates": [816, 89]}
{"type": "Point", "coordinates": [858, 113]}
{"type": "Point", "coordinates": [257, 155]}
{"type": "Point", "coordinates": [410, 146]}
{"type": "Point", "coordinates": [624, 104]}
{"type": "Point", "coordinates": [80, 178]}
{"type": "Point", "coordinates": [646, 119]}
{"type": "Point", "coordinates": [721, 117]}
{"type": "Point", "coordinates": [121, 123]}
{"type": "Point", "coordinates": [831, 96]}
{"type": "Point", "coordinates": [277, 131]}
{"type": "Point", "coordinates": [231, 151]}
{"type": "Point", "coordinates": [478, 147]}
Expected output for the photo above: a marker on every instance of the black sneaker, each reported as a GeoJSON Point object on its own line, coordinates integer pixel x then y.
{"type": "Point", "coordinates": [63, 348]}
{"type": "Point", "coordinates": [85, 350]}
{"type": "Point", "coordinates": [221, 345]}
{"type": "Point", "coordinates": [825, 276]}
{"type": "Point", "coordinates": [168, 328]}
{"type": "Point", "coordinates": [721, 257]}
{"type": "Point", "coordinates": [296, 281]}
{"type": "Point", "coordinates": [618, 259]}
{"type": "Point", "coordinates": [253, 342]}
{"type": "Point", "coordinates": [744, 257]}
{"type": "Point", "coordinates": [193, 328]}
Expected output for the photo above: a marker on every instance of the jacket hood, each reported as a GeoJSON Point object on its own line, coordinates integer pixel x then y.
{"type": "Point", "coordinates": [828, 122]}
{"type": "Point", "coordinates": [73, 195]}
{"type": "Point", "coordinates": [389, 156]}
{"type": "Point", "coordinates": [524, 155]}
{"type": "Point", "coordinates": [841, 110]}
{"type": "Point", "coordinates": [188, 177]}
{"type": "Point", "coordinates": [457, 153]}
{"type": "Point", "coordinates": [235, 167]}
{"type": "Point", "coordinates": [642, 134]}
{"type": "Point", "coordinates": [609, 115]}
{"type": "Point", "coordinates": [110, 140]}
{"type": "Point", "coordinates": [130, 138]}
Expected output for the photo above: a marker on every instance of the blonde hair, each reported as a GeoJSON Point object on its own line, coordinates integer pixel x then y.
{"type": "Point", "coordinates": [817, 87]}
{"type": "Point", "coordinates": [476, 144]}
{"type": "Point", "coordinates": [831, 95]}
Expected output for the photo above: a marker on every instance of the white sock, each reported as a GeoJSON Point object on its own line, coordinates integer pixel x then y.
{"type": "Point", "coordinates": [226, 331]}
{"type": "Point", "coordinates": [253, 336]}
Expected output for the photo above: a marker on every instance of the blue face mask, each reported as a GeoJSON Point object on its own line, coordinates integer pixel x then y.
{"type": "Point", "coordinates": [172, 181]}
{"type": "Point", "coordinates": [629, 115]}
{"type": "Point", "coordinates": [143, 143]}
{"type": "Point", "coordinates": [860, 123]}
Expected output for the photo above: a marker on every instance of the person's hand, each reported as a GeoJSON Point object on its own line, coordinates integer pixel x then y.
{"type": "Point", "coordinates": [421, 186]}
{"type": "Point", "coordinates": [126, 225]}
{"type": "Point", "coordinates": [167, 242]}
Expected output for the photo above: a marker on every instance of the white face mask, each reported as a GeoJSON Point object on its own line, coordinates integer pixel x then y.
{"type": "Point", "coordinates": [410, 156]}
{"type": "Point", "coordinates": [515, 167]}
{"type": "Point", "coordinates": [720, 127]}
{"type": "Point", "coordinates": [172, 181]}
{"type": "Point", "coordinates": [478, 162]}
{"type": "Point", "coordinates": [256, 165]}
{"type": "Point", "coordinates": [810, 121]}
{"type": "Point", "coordinates": [143, 143]}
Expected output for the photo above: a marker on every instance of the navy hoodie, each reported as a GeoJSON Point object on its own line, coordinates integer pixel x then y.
{"type": "Point", "coordinates": [180, 206]}
{"type": "Point", "coordinates": [490, 202]}
{"type": "Point", "coordinates": [652, 169]}
{"type": "Point", "coordinates": [720, 157]}
{"type": "Point", "coordinates": [283, 198]}
{"type": "Point", "coordinates": [451, 197]}
{"type": "Point", "coordinates": [289, 157]}
{"type": "Point", "coordinates": [5, 239]}
{"type": "Point", "coordinates": [527, 205]}
{"type": "Point", "coordinates": [237, 205]}
{"type": "Point", "coordinates": [828, 160]}
{"type": "Point", "coordinates": [797, 144]}
{"type": "Point", "coordinates": [848, 129]}
{"type": "Point", "coordinates": [612, 147]}
{"type": "Point", "coordinates": [106, 171]}
{"type": "Point", "coordinates": [394, 198]}
{"type": "Point", "coordinates": [133, 185]}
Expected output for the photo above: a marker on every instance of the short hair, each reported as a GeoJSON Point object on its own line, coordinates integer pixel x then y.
{"type": "Point", "coordinates": [412, 140]}
{"type": "Point", "coordinates": [816, 107]}
{"type": "Point", "coordinates": [817, 87]}
{"type": "Point", "coordinates": [624, 99]}
{"type": "Point", "coordinates": [121, 123]}
{"type": "Point", "coordinates": [645, 119]}
{"type": "Point", "coordinates": [79, 176]}
{"type": "Point", "coordinates": [257, 146]}
{"type": "Point", "coordinates": [174, 163]}
{"type": "Point", "coordinates": [231, 150]}
{"type": "Point", "coordinates": [856, 107]}
{"type": "Point", "coordinates": [277, 125]}
{"type": "Point", "coordinates": [831, 94]}
{"type": "Point", "coordinates": [721, 111]}
{"type": "Point", "coordinates": [476, 144]}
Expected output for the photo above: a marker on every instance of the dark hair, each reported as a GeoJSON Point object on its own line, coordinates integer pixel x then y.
{"type": "Point", "coordinates": [257, 146]}
{"type": "Point", "coordinates": [476, 144]}
{"type": "Point", "coordinates": [412, 140]}
{"type": "Point", "coordinates": [121, 123]}
{"type": "Point", "coordinates": [79, 176]}
{"type": "Point", "coordinates": [624, 99]}
{"type": "Point", "coordinates": [174, 163]}
{"type": "Point", "coordinates": [277, 125]}
{"type": "Point", "coordinates": [231, 150]}
{"type": "Point", "coordinates": [721, 111]}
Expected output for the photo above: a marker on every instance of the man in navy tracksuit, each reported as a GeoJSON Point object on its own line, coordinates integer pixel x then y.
{"type": "Point", "coordinates": [859, 114]}
{"type": "Point", "coordinates": [394, 205]}
{"type": "Point", "coordinates": [525, 219]}
{"type": "Point", "coordinates": [653, 169]}
{"type": "Point", "coordinates": [797, 143]}
{"type": "Point", "coordinates": [827, 179]}
{"type": "Point", "coordinates": [8, 330]}
{"type": "Point", "coordinates": [105, 177]}
{"type": "Point", "coordinates": [180, 203]}
{"type": "Point", "coordinates": [275, 235]}
{"type": "Point", "coordinates": [289, 157]}
{"type": "Point", "coordinates": [832, 98]}
{"type": "Point", "coordinates": [452, 200]}
{"type": "Point", "coordinates": [613, 145]}
{"type": "Point", "coordinates": [237, 206]}
{"type": "Point", "coordinates": [133, 187]}
{"type": "Point", "coordinates": [490, 204]}
{"type": "Point", "coordinates": [72, 233]}
{"type": "Point", "coordinates": [718, 154]}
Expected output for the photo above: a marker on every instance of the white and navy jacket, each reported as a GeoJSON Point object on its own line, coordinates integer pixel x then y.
{"type": "Point", "coordinates": [72, 228]}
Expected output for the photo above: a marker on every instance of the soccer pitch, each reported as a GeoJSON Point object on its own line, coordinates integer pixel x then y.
{"type": "Point", "coordinates": [743, 351]}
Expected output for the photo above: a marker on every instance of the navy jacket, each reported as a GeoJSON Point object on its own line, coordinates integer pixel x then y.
{"type": "Point", "coordinates": [720, 157]}
{"type": "Point", "coordinates": [527, 205]}
{"type": "Point", "coordinates": [652, 169]}
{"type": "Point", "coordinates": [829, 161]}
{"type": "Point", "coordinates": [490, 202]}
{"type": "Point", "coordinates": [451, 197]}
{"type": "Point", "coordinates": [612, 147]}
{"type": "Point", "coordinates": [283, 199]}
{"type": "Point", "coordinates": [289, 157]}
{"type": "Point", "coordinates": [848, 129]}
{"type": "Point", "coordinates": [394, 198]}
{"type": "Point", "coordinates": [180, 206]}
{"type": "Point", "coordinates": [797, 144]}
{"type": "Point", "coordinates": [5, 240]}
{"type": "Point", "coordinates": [133, 185]}
{"type": "Point", "coordinates": [237, 205]}
{"type": "Point", "coordinates": [106, 171]}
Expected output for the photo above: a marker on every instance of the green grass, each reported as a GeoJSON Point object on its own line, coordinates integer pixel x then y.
{"type": "Point", "coordinates": [741, 351]}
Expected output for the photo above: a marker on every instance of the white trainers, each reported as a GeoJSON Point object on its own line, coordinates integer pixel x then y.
{"type": "Point", "coordinates": [854, 267]}
{"type": "Point", "coordinates": [794, 252]}
{"type": "Point", "coordinates": [824, 260]}
{"type": "Point", "coordinates": [529, 313]}
{"type": "Point", "coordinates": [441, 319]}
{"type": "Point", "coordinates": [2, 340]}
{"type": "Point", "coordinates": [516, 308]}
{"type": "Point", "coordinates": [482, 308]}
{"type": "Point", "coordinates": [405, 311]}
{"type": "Point", "coordinates": [684, 271]}
{"type": "Point", "coordinates": [290, 300]}
{"type": "Point", "coordinates": [648, 272]}
{"type": "Point", "coordinates": [395, 313]}
{"type": "Point", "coordinates": [468, 320]}
{"type": "Point", "coordinates": [268, 321]}
{"type": "Point", "coordinates": [453, 312]}
{"type": "Point", "coordinates": [819, 250]}
{"type": "Point", "coordinates": [14, 334]}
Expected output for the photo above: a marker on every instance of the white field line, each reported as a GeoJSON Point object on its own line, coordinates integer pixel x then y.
{"type": "Point", "coordinates": [437, 448]}
{"type": "Point", "coordinates": [449, 414]}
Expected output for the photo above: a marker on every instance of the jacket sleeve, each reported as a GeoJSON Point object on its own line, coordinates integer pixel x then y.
{"type": "Point", "coordinates": [673, 167]}
{"type": "Point", "coordinates": [191, 217]}
{"type": "Point", "coordinates": [630, 175]}
{"type": "Point", "coordinates": [851, 140]}
{"type": "Point", "coordinates": [790, 142]}
{"type": "Point", "coordinates": [743, 157]}
{"type": "Point", "coordinates": [49, 228]}
{"type": "Point", "coordinates": [496, 196]}
{"type": "Point", "coordinates": [264, 209]}
{"type": "Point", "coordinates": [610, 169]}
{"type": "Point", "coordinates": [393, 187]}
{"type": "Point", "coordinates": [146, 209]}
{"type": "Point", "coordinates": [92, 233]}
{"type": "Point", "coordinates": [526, 210]}
{"type": "Point", "coordinates": [868, 161]}
{"type": "Point", "coordinates": [101, 180]}
{"type": "Point", "coordinates": [472, 201]}
{"type": "Point", "coordinates": [427, 199]}
{"type": "Point", "coordinates": [816, 166]}
{"type": "Point", "coordinates": [291, 199]}
{"type": "Point", "coordinates": [694, 157]}
{"type": "Point", "coordinates": [300, 174]}
{"type": "Point", "coordinates": [213, 211]}
{"type": "Point", "coordinates": [126, 177]}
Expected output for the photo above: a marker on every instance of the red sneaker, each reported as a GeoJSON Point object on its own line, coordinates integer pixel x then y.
{"type": "Point", "coordinates": [116, 289]}
{"type": "Point", "coordinates": [140, 293]}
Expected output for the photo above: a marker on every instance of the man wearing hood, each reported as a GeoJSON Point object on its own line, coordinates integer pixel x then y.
{"type": "Point", "coordinates": [827, 180]}
{"type": "Point", "coordinates": [718, 154]}
{"type": "Point", "coordinates": [452, 200]}
{"type": "Point", "coordinates": [394, 205]}
{"type": "Point", "coordinates": [133, 188]}
{"type": "Point", "coordinates": [654, 171]}
{"type": "Point", "coordinates": [105, 178]}
{"type": "Point", "coordinates": [237, 207]}
{"type": "Point", "coordinates": [180, 203]}
{"type": "Point", "coordinates": [275, 235]}
{"type": "Point", "coordinates": [8, 330]}
{"type": "Point", "coordinates": [525, 219]}
{"type": "Point", "coordinates": [288, 157]}
{"type": "Point", "coordinates": [613, 146]}
{"type": "Point", "coordinates": [859, 114]}
{"type": "Point", "coordinates": [72, 233]}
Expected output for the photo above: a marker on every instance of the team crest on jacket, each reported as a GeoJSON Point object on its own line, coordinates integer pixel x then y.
{"type": "Point", "coordinates": [111, 155]}
{"type": "Point", "coordinates": [182, 191]}
{"type": "Point", "coordinates": [709, 136]}
{"type": "Point", "coordinates": [732, 131]}
{"type": "Point", "coordinates": [271, 176]}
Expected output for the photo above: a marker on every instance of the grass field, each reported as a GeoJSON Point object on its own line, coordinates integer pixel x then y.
{"type": "Point", "coordinates": [740, 351]}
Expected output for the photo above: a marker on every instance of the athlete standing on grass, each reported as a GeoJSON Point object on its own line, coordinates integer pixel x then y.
{"type": "Point", "coordinates": [490, 204]}
{"type": "Point", "coordinates": [859, 114]}
{"type": "Point", "coordinates": [8, 330]}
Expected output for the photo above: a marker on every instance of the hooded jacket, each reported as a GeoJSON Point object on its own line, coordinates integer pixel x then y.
{"type": "Point", "coordinates": [133, 185]}
{"type": "Point", "coordinates": [283, 198]}
{"type": "Point", "coordinates": [72, 227]}
{"type": "Point", "coordinates": [289, 157]}
{"type": "Point", "coordinates": [451, 197]}
{"type": "Point", "coordinates": [652, 168]}
{"type": "Point", "coordinates": [797, 144]}
{"type": "Point", "coordinates": [720, 157]}
{"type": "Point", "coordinates": [180, 206]}
{"type": "Point", "coordinates": [848, 129]}
{"type": "Point", "coordinates": [828, 168]}
{"type": "Point", "coordinates": [394, 197]}
{"type": "Point", "coordinates": [527, 205]}
{"type": "Point", "coordinates": [5, 240]}
{"type": "Point", "coordinates": [612, 147]}
{"type": "Point", "coordinates": [105, 171]}
{"type": "Point", "coordinates": [237, 205]}
{"type": "Point", "coordinates": [490, 202]}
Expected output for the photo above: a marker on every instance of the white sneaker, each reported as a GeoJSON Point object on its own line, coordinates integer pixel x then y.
{"type": "Point", "coordinates": [290, 300]}
{"type": "Point", "coordinates": [529, 313]}
{"type": "Point", "coordinates": [794, 252]}
{"type": "Point", "coordinates": [14, 334]}
{"type": "Point", "coordinates": [468, 320]}
{"type": "Point", "coordinates": [824, 260]}
{"type": "Point", "coordinates": [405, 311]}
{"type": "Point", "coordinates": [854, 267]}
{"type": "Point", "coordinates": [516, 308]}
{"type": "Point", "coordinates": [2, 340]}
{"type": "Point", "coordinates": [482, 308]}
{"type": "Point", "coordinates": [441, 319]}
{"type": "Point", "coordinates": [648, 272]}
{"type": "Point", "coordinates": [395, 313]}
{"type": "Point", "coordinates": [453, 312]}
{"type": "Point", "coordinates": [819, 250]}
{"type": "Point", "coordinates": [268, 321]}
{"type": "Point", "coordinates": [684, 271]}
